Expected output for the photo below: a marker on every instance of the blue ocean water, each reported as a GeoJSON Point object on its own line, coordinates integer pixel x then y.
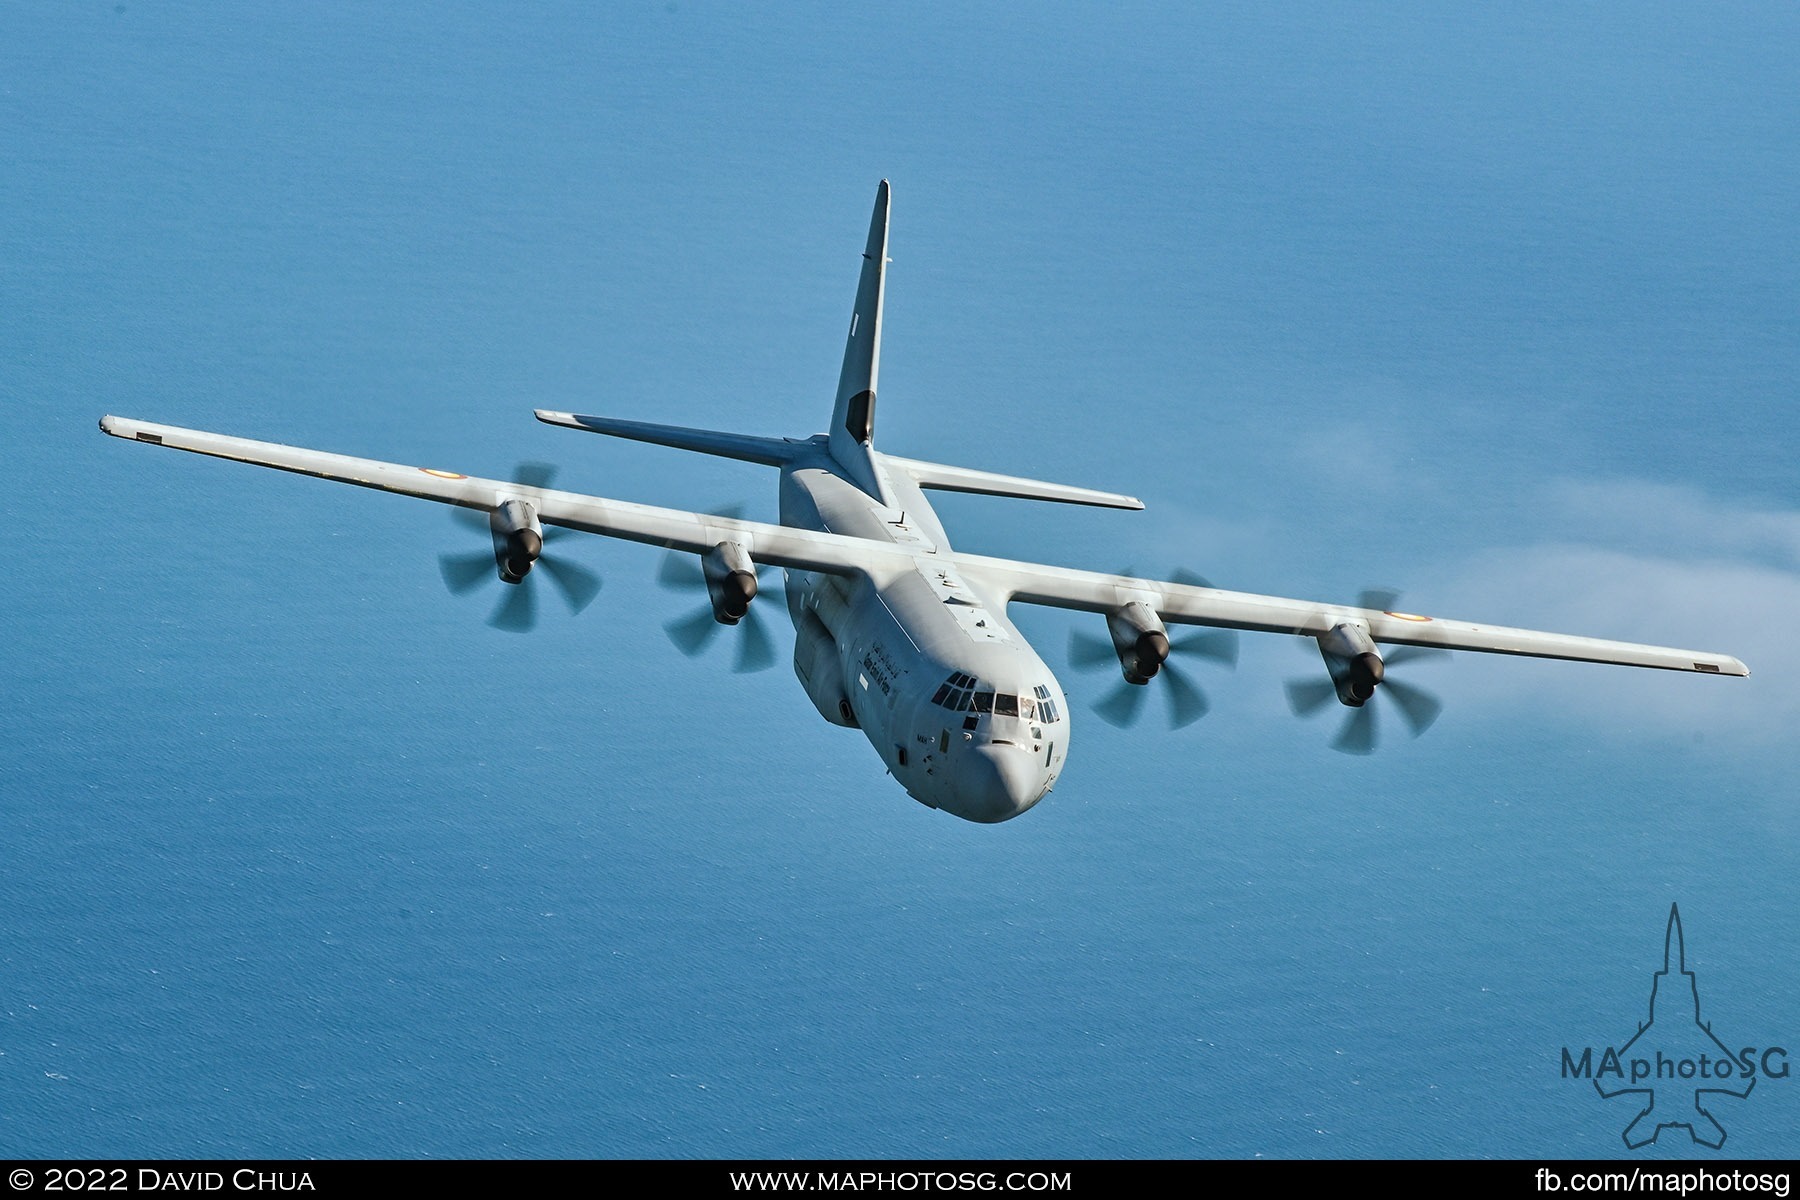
{"type": "Point", "coordinates": [305, 859]}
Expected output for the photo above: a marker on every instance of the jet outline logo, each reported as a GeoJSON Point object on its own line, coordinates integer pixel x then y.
{"type": "Point", "coordinates": [1675, 1088]}
{"type": "Point", "coordinates": [1700, 1123]}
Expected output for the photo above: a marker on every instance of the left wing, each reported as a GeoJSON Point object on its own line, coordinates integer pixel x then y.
{"type": "Point", "coordinates": [1177, 603]}
{"type": "Point", "coordinates": [777, 545]}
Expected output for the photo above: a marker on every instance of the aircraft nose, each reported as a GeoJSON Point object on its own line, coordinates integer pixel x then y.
{"type": "Point", "coordinates": [999, 782]}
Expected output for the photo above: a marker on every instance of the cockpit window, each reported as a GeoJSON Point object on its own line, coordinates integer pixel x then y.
{"type": "Point", "coordinates": [959, 693]}
{"type": "Point", "coordinates": [955, 692]}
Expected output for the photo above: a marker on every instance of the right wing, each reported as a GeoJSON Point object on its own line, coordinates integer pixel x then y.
{"type": "Point", "coordinates": [777, 545]}
{"type": "Point", "coordinates": [1185, 604]}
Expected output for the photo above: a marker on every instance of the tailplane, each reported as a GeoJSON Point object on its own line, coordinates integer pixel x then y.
{"type": "Point", "coordinates": [771, 452]}
{"type": "Point", "coordinates": [851, 438]}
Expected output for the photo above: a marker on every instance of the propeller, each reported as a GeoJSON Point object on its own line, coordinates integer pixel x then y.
{"type": "Point", "coordinates": [1360, 733]}
{"type": "Point", "coordinates": [1124, 705]}
{"type": "Point", "coordinates": [517, 610]}
{"type": "Point", "coordinates": [693, 633]}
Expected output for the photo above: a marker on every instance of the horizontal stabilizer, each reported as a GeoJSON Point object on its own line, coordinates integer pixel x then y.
{"type": "Point", "coordinates": [771, 452]}
{"type": "Point", "coordinates": [987, 483]}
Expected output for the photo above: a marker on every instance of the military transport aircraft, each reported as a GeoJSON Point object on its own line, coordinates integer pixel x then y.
{"type": "Point", "coordinates": [900, 636]}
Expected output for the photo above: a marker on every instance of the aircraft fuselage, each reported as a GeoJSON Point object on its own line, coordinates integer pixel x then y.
{"type": "Point", "coordinates": [952, 697]}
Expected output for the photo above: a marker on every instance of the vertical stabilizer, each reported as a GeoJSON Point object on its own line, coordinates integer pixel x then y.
{"type": "Point", "coordinates": [853, 417]}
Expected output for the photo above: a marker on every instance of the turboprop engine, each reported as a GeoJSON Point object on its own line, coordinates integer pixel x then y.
{"type": "Point", "coordinates": [518, 539]}
{"type": "Point", "coordinates": [1139, 639]}
{"type": "Point", "coordinates": [1358, 670]}
{"type": "Point", "coordinates": [1353, 662]}
{"type": "Point", "coordinates": [730, 581]}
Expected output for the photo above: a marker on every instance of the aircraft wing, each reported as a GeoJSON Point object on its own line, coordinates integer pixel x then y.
{"type": "Point", "coordinates": [1185, 604]}
{"type": "Point", "coordinates": [777, 545]}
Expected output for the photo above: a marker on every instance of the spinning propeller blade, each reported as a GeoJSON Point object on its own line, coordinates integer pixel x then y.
{"type": "Point", "coordinates": [1123, 706]}
{"type": "Point", "coordinates": [1360, 732]}
{"type": "Point", "coordinates": [694, 632]}
{"type": "Point", "coordinates": [517, 610]}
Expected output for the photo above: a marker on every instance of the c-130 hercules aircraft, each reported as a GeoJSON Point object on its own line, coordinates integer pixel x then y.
{"type": "Point", "coordinates": [897, 634]}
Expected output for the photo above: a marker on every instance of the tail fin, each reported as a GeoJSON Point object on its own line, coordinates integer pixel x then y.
{"type": "Point", "coordinates": [853, 418]}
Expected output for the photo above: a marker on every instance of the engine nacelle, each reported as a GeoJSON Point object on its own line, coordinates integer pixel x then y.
{"type": "Point", "coordinates": [518, 539]}
{"type": "Point", "coordinates": [1139, 638]}
{"type": "Point", "coordinates": [730, 581]}
{"type": "Point", "coordinates": [821, 671]}
{"type": "Point", "coordinates": [1353, 662]}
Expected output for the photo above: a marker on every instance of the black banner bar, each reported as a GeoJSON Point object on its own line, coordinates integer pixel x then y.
{"type": "Point", "coordinates": [1565, 1179]}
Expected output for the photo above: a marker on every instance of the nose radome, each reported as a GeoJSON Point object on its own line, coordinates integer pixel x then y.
{"type": "Point", "coordinates": [998, 783]}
